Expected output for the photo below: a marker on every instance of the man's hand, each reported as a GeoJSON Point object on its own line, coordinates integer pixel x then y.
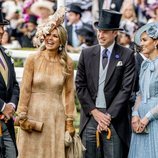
{"type": "Point", "coordinates": [8, 111]}
{"type": "Point", "coordinates": [102, 119]}
{"type": "Point", "coordinates": [102, 128]}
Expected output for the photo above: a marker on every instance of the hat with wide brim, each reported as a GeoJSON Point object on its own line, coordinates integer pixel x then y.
{"type": "Point", "coordinates": [108, 20]}
{"type": "Point", "coordinates": [35, 8]}
{"type": "Point", "coordinates": [138, 33]}
{"type": "Point", "coordinates": [2, 20]}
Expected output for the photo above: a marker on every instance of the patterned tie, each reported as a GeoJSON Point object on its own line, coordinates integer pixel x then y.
{"type": "Point", "coordinates": [1, 62]}
{"type": "Point", "coordinates": [104, 58]}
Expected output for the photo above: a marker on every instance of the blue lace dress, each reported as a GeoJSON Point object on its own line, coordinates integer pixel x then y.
{"type": "Point", "coordinates": [145, 145]}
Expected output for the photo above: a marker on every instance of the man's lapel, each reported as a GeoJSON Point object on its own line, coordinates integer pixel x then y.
{"type": "Point", "coordinates": [115, 57]}
{"type": "Point", "coordinates": [95, 66]}
{"type": "Point", "coordinates": [2, 79]}
{"type": "Point", "coordinates": [8, 65]}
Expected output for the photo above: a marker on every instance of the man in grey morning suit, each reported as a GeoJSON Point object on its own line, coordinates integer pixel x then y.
{"type": "Point", "coordinates": [9, 96]}
{"type": "Point", "coordinates": [104, 82]}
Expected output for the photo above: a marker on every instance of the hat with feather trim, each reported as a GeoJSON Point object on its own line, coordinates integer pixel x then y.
{"type": "Point", "coordinates": [53, 22]}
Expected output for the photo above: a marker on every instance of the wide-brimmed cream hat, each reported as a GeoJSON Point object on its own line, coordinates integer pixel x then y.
{"type": "Point", "coordinates": [35, 8]}
{"type": "Point", "coordinates": [51, 23]}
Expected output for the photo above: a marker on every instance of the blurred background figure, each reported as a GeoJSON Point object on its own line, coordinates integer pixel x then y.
{"type": "Point", "coordinates": [74, 22]}
{"type": "Point", "coordinates": [97, 5]}
{"type": "Point", "coordinates": [125, 37]}
{"type": "Point", "coordinates": [9, 7]}
{"type": "Point", "coordinates": [86, 36]}
{"type": "Point", "coordinates": [129, 19]}
{"type": "Point", "coordinates": [141, 7]}
{"type": "Point", "coordinates": [111, 4]}
{"type": "Point", "coordinates": [26, 9]}
{"type": "Point", "coordinates": [29, 31]}
{"type": "Point", "coordinates": [8, 41]}
{"type": "Point", "coordinates": [86, 7]}
{"type": "Point", "coordinates": [42, 9]}
{"type": "Point", "coordinates": [87, 16]}
{"type": "Point", "coordinates": [153, 11]}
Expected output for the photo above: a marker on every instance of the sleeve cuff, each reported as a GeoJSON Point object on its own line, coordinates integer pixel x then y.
{"type": "Point", "coordinates": [3, 107]}
{"type": "Point", "coordinates": [14, 106]}
{"type": "Point", "coordinates": [149, 116]}
{"type": "Point", "coordinates": [135, 113]}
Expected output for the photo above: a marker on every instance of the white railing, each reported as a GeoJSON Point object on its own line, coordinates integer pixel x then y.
{"type": "Point", "coordinates": [23, 54]}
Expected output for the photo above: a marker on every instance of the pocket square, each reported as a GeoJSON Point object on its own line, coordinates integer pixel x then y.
{"type": "Point", "coordinates": [119, 63]}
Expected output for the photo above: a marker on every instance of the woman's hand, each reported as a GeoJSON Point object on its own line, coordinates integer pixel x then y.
{"type": "Point", "coordinates": [142, 125]}
{"type": "Point", "coordinates": [135, 123]}
{"type": "Point", "coordinates": [69, 127]}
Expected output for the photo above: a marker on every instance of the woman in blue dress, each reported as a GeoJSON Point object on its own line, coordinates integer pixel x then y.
{"type": "Point", "coordinates": [144, 141]}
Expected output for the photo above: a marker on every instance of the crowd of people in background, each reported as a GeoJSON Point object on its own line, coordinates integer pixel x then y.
{"type": "Point", "coordinates": [26, 15]}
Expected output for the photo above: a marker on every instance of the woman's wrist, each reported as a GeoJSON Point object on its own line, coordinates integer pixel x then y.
{"type": "Point", "coordinates": [135, 113]}
{"type": "Point", "coordinates": [149, 116]}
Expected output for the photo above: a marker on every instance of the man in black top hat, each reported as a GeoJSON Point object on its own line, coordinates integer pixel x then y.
{"type": "Point", "coordinates": [104, 82]}
{"type": "Point", "coordinates": [74, 23]}
{"type": "Point", "coordinates": [9, 95]}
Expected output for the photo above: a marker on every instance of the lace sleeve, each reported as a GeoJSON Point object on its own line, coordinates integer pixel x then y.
{"type": "Point", "coordinates": [136, 105]}
{"type": "Point", "coordinates": [152, 114]}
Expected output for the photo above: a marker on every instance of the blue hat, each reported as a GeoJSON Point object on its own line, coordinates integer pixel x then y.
{"type": "Point", "coordinates": [151, 29]}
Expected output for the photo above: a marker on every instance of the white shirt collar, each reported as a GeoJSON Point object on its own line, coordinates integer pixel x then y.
{"type": "Point", "coordinates": [79, 24]}
{"type": "Point", "coordinates": [110, 48]}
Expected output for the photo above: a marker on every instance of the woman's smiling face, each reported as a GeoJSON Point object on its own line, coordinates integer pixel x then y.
{"type": "Point", "coordinates": [147, 44]}
{"type": "Point", "coordinates": [52, 40]}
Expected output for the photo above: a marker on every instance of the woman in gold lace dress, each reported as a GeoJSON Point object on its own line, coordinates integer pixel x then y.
{"type": "Point", "coordinates": [48, 76]}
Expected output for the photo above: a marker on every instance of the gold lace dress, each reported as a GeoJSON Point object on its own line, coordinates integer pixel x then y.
{"type": "Point", "coordinates": [42, 97]}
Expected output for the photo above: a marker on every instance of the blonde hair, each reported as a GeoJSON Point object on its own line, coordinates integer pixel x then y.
{"type": "Point", "coordinates": [63, 54]}
{"type": "Point", "coordinates": [127, 5]}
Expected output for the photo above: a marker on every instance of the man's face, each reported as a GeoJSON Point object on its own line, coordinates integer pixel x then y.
{"type": "Point", "coordinates": [106, 37]}
{"type": "Point", "coordinates": [73, 17]}
{"type": "Point", "coordinates": [1, 32]}
{"type": "Point", "coordinates": [30, 26]}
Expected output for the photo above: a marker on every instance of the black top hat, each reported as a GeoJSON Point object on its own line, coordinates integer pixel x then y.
{"type": "Point", "coordinates": [108, 20]}
{"type": "Point", "coordinates": [86, 30]}
{"type": "Point", "coordinates": [3, 21]}
{"type": "Point", "coordinates": [33, 19]}
{"type": "Point", "coordinates": [75, 8]}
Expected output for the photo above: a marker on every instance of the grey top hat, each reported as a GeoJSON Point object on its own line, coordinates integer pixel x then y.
{"type": "Point", "coordinates": [151, 29]}
{"type": "Point", "coordinates": [108, 20]}
{"type": "Point", "coordinates": [2, 20]}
